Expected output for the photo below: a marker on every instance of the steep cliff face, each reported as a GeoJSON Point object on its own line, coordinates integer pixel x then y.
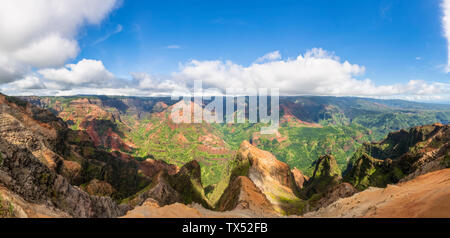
{"type": "Point", "coordinates": [143, 128]}
{"type": "Point", "coordinates": [14, 206]}
{"type": "Point", "coordinates": [99, 122]}
{"type": "Point", "coordinates": [325, 187]}
{"type": "Point", "coordinates": [241, 199]}
{"type": "Point", "coordinates": [188, 182]}
{"type": "Point", "coordinates": [422, 197]}
{"type": "Point", "coordinates": [42, 160]}
{"type": "Point", "coordinates": [403, 155]}
{"type": "Point", "coordinates": [45, 162]}
{"type": "Point", "coordinates": [98, 188]}
{"type": "Point", "coordinates": [299, 177]}
{"type": "Point", "coordinates": [159, 191]}
{"type": "Point", "coordinates": [326, 174]}
{"type": "Point", "coordinates": [23, 173]}
{"type": "Point", "coordinates": [184, 186]}
{"type": "Point", "coordinates": [150, 209]}
{"type": "Point", "coordinates": [48, 169]}
{"type": "Point", "coordinates": [258, 185]}
{"type": "Point", "coordinates": [273, 177]}
{"type": "Point", "coordinates": [242, 193]}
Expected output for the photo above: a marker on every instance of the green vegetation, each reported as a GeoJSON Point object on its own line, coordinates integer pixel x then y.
{"type": "Point", "coordinates": [188, 183]}
{"type": "Point", "coordinates": [304, 145]}
{"type": "Point", "coordinates": [17, 101]}
{"type": "Point", "coordinates": [179, 144]}
{"type": "Point", "coordinates": [390, 160]}
{"type": "Point", "coordinates": [382, 123]}
{"type": "Point", "coordinates": [368, 171]}
{"type": "Point", "coordinates": [291, 205]}
{"type": "Point", "coordinates": [234, 168]}
{"type": "Point", "coordinates": [446, 161]}
{"type": "Point", "coordinates": [326, 174]}
{"type": "Point", "coordinates": [345, 124]}
{"type": "Point", "coordinates": [325, 125]}
{"type": "Point", "coordinates": [131, 200]}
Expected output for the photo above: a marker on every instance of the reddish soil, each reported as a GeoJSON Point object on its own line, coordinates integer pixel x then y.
{"type": "Point", "coordinates": [425, 196]}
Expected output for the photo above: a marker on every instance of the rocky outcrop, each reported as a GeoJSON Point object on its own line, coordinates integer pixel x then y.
{"type": "Point", "coordinates": [326, 175]}
{"type": "Point", "coordinates": [159, 107]}
{"type": "Point", "coordinates": [422, 197]}
{"type": "Point", "coordinates": [141, 126]}
{"type": "Point", "coordinates": [43, 164]}
{"type": "Point", "coordinates": [185, 186]}
{"type": "Point", "coordinates": [188, 183]}
{"type": "Point", "coordinates": [151, 167]}
{"type": "Point", "coordinates": [150, 209]}
{"type": "Point", "coordinates": [98, 188]}
{"type": "Point", "coordinates": [299, 177]}
{"type": "Point", "coordinates": [69, 153]}
{"type": "Point", "coordinates": [159, 191]}
{"type": "Point", "coordinates": [273, 177]}
{"type": "Point", "coordinates": [42, 160]}
{"type": "Point", "coordinates": [329, 196]}
{"type": "Point", "coordinates": [325, 186]}
{"type": "Point", "coordinates": [22, 173]}
{"type": "Point", "coordinates": [243, 194]}
{"type": "Point", "coordinates": [263, 165]}
{"type": "Point", "coordinates": [368, 171]}
{"type": "Point", "coordinates": [257, 184]}
{"type": "Point", "coordinates": [90, 115]}
{"type": "Point", "coordinates": [14, 206]}
{"type": "Point", "coordinates": [402, 156]}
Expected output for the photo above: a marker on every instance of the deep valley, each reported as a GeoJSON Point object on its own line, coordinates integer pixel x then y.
{"type": "Point", "coordinates": [99, 156]}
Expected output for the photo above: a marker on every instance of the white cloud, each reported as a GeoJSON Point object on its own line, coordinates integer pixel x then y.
{"type": "Point", "coordinates": [270, 57]}
{"type": "Point", "coordinates": [49, 51]}
{"type": "Point", "coordinates": [41, 33]}
{"type": "Point", "coordinates": [317, 72]}
{"type": "Point", "coordinates": [10, 70]}
{"type": "Point", "coordinates": [446, 28]}
{"type": "Point", "coordinates": [30, 82]}
{"type": "Point", "coordinates": [85, 72]}
{"type": "Point", "coordinates": [145, 81]}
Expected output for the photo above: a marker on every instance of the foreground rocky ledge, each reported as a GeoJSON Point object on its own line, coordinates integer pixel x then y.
{"type": "Point", "coordinates": [427, 196]}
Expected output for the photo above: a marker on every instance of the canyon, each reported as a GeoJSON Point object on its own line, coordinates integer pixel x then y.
{"type": "Point", "coordinates": [121, 157]}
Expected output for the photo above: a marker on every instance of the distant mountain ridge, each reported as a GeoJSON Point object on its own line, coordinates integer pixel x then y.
{"type": "Point", "coordinates": [310, 127]}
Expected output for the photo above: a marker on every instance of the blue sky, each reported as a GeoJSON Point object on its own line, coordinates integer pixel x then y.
{"type": "Point", "coordinates": [384, 36]}
{"type": "Point", "coordinates": [385, 49]}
